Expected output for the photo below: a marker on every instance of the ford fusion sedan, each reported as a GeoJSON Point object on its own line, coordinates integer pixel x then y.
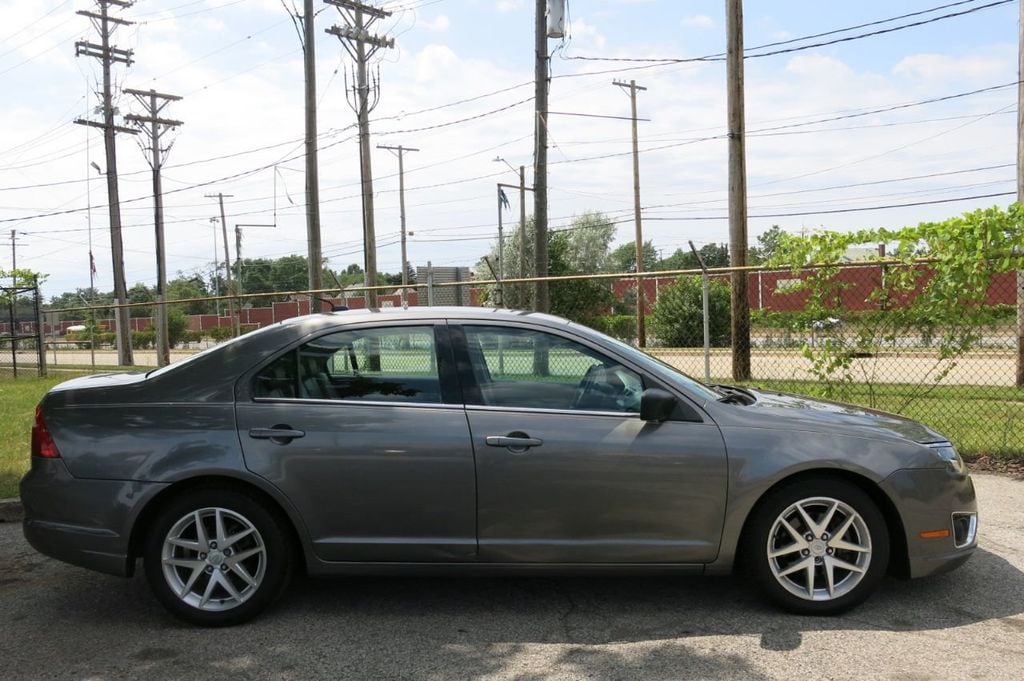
{"type": "Point", "coordinates": [469, 441]}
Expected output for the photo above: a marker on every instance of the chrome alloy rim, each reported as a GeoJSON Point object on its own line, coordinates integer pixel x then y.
{"type": "Point", "coordinates": [819, 549]}
{"type": "Point", "coordinates": [214, 559]}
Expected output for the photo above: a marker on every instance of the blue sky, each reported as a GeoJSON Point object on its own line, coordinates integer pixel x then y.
{"type": "Point", "coordinates": [238, 65]}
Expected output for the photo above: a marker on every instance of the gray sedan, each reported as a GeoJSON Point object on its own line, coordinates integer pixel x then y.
{"type": "Point", "coordinates": [476, 441]}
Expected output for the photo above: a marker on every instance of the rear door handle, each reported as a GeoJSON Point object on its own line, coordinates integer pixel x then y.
{"type": "Point", "coordinates": [512, 442]}
{"type": "Point", "coordinates": [282, 435]}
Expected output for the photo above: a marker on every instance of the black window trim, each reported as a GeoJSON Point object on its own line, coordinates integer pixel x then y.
{"type": "Point", "coordinates": [470, 388]}
{"type": "Point", "coordinates": [451, 390]}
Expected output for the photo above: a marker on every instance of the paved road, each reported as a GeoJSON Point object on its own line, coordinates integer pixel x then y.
{"type": "Point", "coordinates": [61, 622]}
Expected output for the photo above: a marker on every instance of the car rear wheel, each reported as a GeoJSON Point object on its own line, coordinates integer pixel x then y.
{"type": "Point", "coordinates": [818, 546]}
{"type": "Point", "coordinates": [217, 557]}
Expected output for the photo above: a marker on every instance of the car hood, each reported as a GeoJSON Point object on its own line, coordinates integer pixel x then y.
{"type": "Point", "coordinates": [789, 411]}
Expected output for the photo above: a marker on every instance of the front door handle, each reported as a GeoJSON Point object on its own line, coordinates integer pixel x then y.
{"type": "Point", "coordinates": [281, 435]}
{"type": "Point", "coordinates": [515, 442]}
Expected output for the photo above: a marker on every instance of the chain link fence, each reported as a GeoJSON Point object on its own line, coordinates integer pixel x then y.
{"type": "Point", "coordinates": [869, 334]}
{"type": "Point", "coordinates": [21, 348]}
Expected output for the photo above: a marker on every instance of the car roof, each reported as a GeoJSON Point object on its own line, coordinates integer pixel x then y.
{"type": "Point", "coordinates": [447, 312]}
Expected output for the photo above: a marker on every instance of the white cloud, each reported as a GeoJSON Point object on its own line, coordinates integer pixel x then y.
{"type": "Point", "coordinates": [509, 5]}
{"type": "Point", "coordinates": [585, 35]}
{"type": "Point", "coordinates": [932, 66]}
{"type": "Point", "coordinates": [439, 24]}
{"type": "Point", "coordinates": [698, 21]}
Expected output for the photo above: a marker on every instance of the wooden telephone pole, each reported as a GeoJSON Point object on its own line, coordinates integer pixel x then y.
{"type": "Point", "coordinates": [541, 295]}
{"type": "Point", "coordinates": [400, 152]}
{"type": "Point", "coordinates": [737, 191]}
{"type": "Point", "coordinates": [227, 262]}
{"type": "Point", "coordinates": [641, 328]}
{"type": "Point", "coordinates": [156, 126]}
{"type": "Point", "coordinates": [361, 46]}
{"type": "Point", "coordinates": [105, 26]}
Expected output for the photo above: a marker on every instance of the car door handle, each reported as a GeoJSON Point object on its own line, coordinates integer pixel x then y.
{"type": "Point", "coordinates": [514, 443]}
{"type": "Point", "coordinates": [281, 435]}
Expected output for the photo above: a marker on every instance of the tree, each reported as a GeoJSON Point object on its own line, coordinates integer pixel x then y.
{"type": "Point", "coordinates": [623, 258]}
{"type": "Point", "coordinates": [678, 316]}
{"type": "Point", "coordinates": [184, 287]}
{"type": "Point", "coordinates": [140, 293]}
{"type": "Point", "coordinates": [581, 248]}
{"type": "Point", "coordinates": [768, 243]}
{"type": "Point", "coordinates": [945, 303]}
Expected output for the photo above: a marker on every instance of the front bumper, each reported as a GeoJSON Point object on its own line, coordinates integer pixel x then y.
{"type": "Point", "coordinates": [82, 521]}
{"type": "Point", "coordinates": [927, 501]}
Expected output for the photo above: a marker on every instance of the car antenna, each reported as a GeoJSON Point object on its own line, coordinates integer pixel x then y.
{"type": "Point", "coordinates": [334, 306]}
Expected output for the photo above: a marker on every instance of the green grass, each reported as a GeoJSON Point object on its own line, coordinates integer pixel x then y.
{"type": "Point", "coordinates": [18, 399]}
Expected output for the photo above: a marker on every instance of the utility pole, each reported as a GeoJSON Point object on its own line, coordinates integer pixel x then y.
{"type": "Point", "coordinates": [737, 191]}
{"type": "Point", "coordinates": [105, 25]}
{"type": "Point", "coordinates": [400, 152]}
{"type": "Point", "coordinates": [522, 223]}
{"type": "Point", "coordinates": [227, 261]}
{"type": "Point", "coordinates": [524, 269]}
{"type": "Point", "coordinates": [641, 329]}
{"type": "Point", "coordinates": [14, 259]}
{"type": "Point", "coordinates": [542, 301]}
{"type": "Point", "coordinates": [312, 167]}
{"type": "Point", "coordinates": [1020, 193]}
{"type": "Point", "coordinates": [157, 126]}
{"type": "Point", "coordinates": [361, 46]}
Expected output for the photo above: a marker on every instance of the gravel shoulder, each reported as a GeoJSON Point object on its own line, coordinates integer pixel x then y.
{"type": "Point", "coordinates": [61, 622]}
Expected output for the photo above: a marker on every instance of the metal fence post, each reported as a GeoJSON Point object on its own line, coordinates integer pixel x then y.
{"type": "Point", "coordinates": [40, 338]}
{"type": "Point", "coordinates": [430, 284]}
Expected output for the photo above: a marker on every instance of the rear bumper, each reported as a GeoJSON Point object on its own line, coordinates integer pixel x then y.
{"type": "Point", "coordinates": [79, 521]}
{"type": "Point", "coordinates": [927, 500]}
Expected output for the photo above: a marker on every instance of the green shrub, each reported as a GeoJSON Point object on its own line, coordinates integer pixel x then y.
{"type": "Point", "coordinates": [678, 316]}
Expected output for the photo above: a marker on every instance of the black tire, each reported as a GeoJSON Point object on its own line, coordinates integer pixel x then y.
{"type": "Point", "coordinates": [767, 534]}
{"type": "Point", "coordinates": [257, 579]}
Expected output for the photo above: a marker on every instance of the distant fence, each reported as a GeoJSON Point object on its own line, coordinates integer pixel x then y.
{"type": "Point", "coordinates": [869, 349]}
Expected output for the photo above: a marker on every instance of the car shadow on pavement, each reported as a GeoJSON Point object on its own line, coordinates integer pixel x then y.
{"type": "Point", "coordinates": [472, 628]}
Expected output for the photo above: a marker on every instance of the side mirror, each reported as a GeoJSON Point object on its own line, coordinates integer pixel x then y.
{"type": "Point", "coordinates": [656, 405]}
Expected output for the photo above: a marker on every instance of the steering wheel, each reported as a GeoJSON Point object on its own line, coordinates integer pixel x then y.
{"type": "Point", "coordinates": [588, 382]}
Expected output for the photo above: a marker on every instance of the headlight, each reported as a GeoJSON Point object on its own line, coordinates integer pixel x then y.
{"type": "Point", "coordinates": [948, 453]}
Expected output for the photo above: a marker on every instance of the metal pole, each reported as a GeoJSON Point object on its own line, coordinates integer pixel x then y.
{"type": "Point", "coordinates": [705, 286]}
{"type": "Point", "coordinates": [430, 285]}
{"type": "Point", "coordinates": [41, 346]}
{"type": "Point", "coordinates": [737, 191]}
{"type": "Point", "coordinates": [501, 252]}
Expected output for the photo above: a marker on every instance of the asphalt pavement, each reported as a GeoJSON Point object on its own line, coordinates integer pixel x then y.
{"type": "Point", "coordinates": [61, 622]}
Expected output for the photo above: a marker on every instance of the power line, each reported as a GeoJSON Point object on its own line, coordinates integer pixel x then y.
{"type": "Point", "coordinates": [720, 56]}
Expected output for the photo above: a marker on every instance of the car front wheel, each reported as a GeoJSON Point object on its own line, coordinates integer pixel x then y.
{"type": "Point", "coordinates": [818, 546]}
{"type": "Point", "coordinates": [217, 557]}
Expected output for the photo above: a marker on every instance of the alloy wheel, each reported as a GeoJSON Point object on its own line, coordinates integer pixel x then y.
{"type": "Point", "coordinates": [214, 559]}
{"type": "Point", "coordinates": [819, 548]}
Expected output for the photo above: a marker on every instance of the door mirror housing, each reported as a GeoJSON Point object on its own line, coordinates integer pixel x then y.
{"type": "Point", "coordinates": [656, 405]}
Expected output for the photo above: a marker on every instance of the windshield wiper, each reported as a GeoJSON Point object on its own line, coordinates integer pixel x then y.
{"type": "Point", "coordinates": [734, 394]}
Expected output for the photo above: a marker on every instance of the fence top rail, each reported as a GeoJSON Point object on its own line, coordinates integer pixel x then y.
{"type": "Point", "coordinates": [488, 282]}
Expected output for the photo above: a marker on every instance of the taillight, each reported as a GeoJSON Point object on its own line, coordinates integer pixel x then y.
{"type": "Point", "coordinates": [42, 442]}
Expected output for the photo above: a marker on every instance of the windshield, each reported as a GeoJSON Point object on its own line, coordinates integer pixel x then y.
{"type": "Point", "coordinates": [649, 362]}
